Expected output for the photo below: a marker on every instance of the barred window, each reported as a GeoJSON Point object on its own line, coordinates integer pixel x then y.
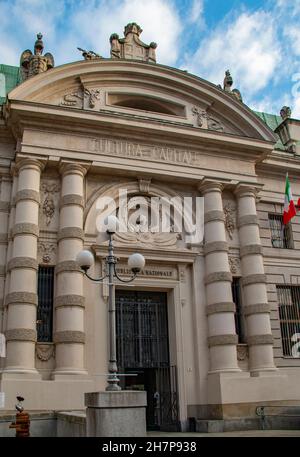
{"type": "Point", "coordinates": [45, 304]}
{"type": "Point", "coordinates": [281, 235]}
{"type": "Point", "coordinates": [239, 317]}
{"type": "Point", "coordinates": [289, 314]}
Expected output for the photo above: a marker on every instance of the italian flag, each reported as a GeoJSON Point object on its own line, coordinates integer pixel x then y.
{"type": "Point", "coordinates": [289, 210]}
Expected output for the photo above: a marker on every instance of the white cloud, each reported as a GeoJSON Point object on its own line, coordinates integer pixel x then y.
{"type": "Point", "coordinates": [247, 45]}
{"type": "Point", "coordinates": [158, 19]}
{"type": "Point", "coordinates": [67, 24]}
{"type": "Point", "coordinates": [196, 11]}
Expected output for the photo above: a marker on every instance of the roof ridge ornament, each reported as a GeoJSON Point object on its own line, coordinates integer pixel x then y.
{"type": "Point", "coordinates": [32, 64]}
{"type": "Point", "coordinates": [89, 55]}
{"type": "Point", "coordinates": [285, 112]}
{"type": "Point", "coordinates": [131, 47]}
{"type": "Point", "coordinates": [228, 81]}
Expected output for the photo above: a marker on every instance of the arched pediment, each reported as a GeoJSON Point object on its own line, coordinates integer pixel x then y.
{"type": "Point", "coordinates": [141, 90]}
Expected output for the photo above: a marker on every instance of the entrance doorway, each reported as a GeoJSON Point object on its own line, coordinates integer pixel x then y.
{"type": "Point", "coordinates": [143, 353]}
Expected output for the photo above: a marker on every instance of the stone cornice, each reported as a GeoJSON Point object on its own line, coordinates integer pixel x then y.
{"type": "Point", "coordinates": [25, 228]}
{"type": "Point", "coordinates": [71, 232]}
{"type": "Point", "coordinates": [260, 339]}
{"type": "Point", "coordinates": [222, 340]}
{"type": "Point", "coordinates": [218, 277]}
{"type": "Point", "coordinates": [69, 336]}
{"type": "Point", "coordinates": [222, 307]}
{"type": "Point", "coordinates": [63, 301]}
{"type": "Point", "coordinates": [22, 262]}
{"type": "Point", "coordinates": [21, 334]}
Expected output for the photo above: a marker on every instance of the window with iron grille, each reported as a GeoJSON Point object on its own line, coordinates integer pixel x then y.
{"type": "Point", "coordinates": [281, 235]}
{"type": "Point", "coordinates": [45, 304]}
{"type": "Point", "coordinates": [289, 314]}
{"type": "Point", "coordinates": [239, 318]}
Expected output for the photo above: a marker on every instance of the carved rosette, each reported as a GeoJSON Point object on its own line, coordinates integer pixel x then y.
{"type": "Point", "coordinates": [230, 218]}
{"type": "Point", "coordinates": [48, 208]}
{"type": "Point", "coordinates": [45, 352]}
{"type": "Point", "coordinates": [47, 252]}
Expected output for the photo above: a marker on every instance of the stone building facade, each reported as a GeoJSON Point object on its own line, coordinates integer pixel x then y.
{"type": "Point", "coordinates": [85, 130]}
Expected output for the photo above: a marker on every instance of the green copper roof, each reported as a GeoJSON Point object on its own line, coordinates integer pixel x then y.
{"type": "Point", "coordinates": [272, 121]}
{"type": "Point", "coordinates": [9, 78]}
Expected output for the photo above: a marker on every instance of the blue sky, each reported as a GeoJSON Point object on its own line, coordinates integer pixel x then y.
{"type": "Point", "coordinates": [259, 41]}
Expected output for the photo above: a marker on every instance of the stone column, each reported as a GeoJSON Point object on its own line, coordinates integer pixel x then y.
{"type": "Point", "coordinates": [22, 297]}
{"type": "Point", "coordinates": [222, 338]}
{"type": "Point", "coordinates": [256, 307]}
{"type": "Point", "coordinates": [69, 333]}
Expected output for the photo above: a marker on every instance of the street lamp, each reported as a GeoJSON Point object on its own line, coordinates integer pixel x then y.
{"type": "Point", "coordinates": [136, 263]}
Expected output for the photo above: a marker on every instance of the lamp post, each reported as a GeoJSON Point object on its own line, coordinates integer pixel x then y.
{"type": "Point", "coordinates": [136, 262]}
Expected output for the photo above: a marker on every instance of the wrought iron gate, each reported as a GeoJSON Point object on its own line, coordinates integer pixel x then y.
{"type": "Point", "coordinates": [143, 348]}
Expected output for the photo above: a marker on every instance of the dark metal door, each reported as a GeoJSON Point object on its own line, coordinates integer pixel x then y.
{"type": "Point", "coordinates": [143, 349]}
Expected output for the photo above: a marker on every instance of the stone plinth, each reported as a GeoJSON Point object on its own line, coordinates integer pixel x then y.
{"type": "Point", "coordinates": [116, 413]}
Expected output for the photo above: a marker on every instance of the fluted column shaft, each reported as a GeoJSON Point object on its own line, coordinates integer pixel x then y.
{"type": "Point", "coordinates": [69, 333]}
{"type": "Point", "coordinates": [22, 297]}
{"type": "Point", "coordinates": [222, 338]}
{"type": "Point", "coordinates": [255, 299]}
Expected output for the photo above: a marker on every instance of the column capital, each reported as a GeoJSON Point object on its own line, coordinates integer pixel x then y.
{"type": "Point", "coordinates": [71, 168]}
{"type": "Point", "coordinates": [210, 185]}
{"type": "Point", "coordinates": [247, 190]}
{"type": "Point", "coordinates": [23, 163]}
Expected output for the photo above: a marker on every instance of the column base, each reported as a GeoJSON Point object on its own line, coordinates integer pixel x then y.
{"type": "Point", "coordinates": [264, 371]}
{"type": "Point", "coordinates": [19, 373]}
{"type": "Point", "coordinates": [72, 374]}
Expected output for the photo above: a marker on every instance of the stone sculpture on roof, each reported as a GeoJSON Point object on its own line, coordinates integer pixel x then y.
{"type": "Point", "coordinates": [131, 47]}
{"type": "Point", "coordinates": [285, 112]}
{"type": "Point", "coordinates": [228, 81]}
{"type": "Point", "coordinates": [34, 63]}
